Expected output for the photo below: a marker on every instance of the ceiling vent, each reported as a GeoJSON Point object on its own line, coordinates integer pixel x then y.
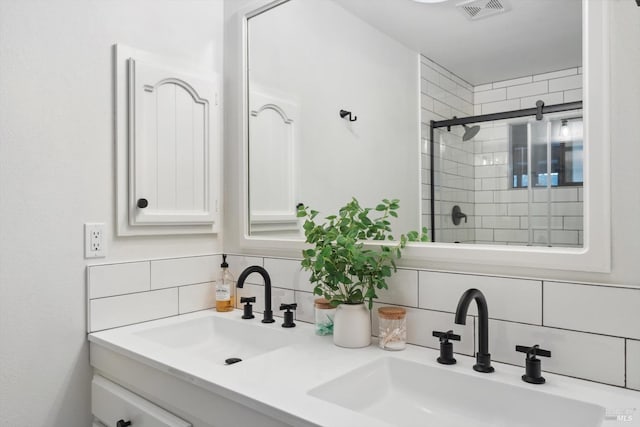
{"type": "Point", "coordinates": [478, 9]}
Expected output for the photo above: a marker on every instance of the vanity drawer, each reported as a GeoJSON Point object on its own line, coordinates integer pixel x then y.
{"type": "Point", "coordinates": [112, 403]}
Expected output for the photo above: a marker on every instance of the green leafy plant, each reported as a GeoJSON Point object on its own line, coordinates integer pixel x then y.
{"type": "Point", "coordinates": [343, 269]}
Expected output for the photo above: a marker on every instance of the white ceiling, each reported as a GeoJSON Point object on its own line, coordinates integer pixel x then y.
{"type": "Point", "coordinates": [534, 36]}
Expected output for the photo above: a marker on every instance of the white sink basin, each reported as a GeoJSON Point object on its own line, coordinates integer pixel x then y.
{"type": "Point", "coordinates": [216, 339]}
{"type": "Point", "coordinates": [406, 393]}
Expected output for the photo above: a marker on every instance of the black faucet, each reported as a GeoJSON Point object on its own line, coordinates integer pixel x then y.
{"type": "Point", "coordinates": [268, 314]}
{"type": "Point", "coordinates": [483, 358]}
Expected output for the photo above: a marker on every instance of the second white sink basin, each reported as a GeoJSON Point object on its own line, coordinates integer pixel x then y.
{"type": "Point", "coordinates": [406, 393]}
{"type": "Point", "coordinates": [216, 339]}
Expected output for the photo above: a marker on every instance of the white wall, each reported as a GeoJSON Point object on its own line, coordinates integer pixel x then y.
{"type": "Point", "coordinates": [321, 57]}
{"type": "Point", "coordinates": [57, 172]}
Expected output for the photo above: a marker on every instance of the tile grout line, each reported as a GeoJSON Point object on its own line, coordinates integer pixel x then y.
{"type": "Point", "coordinates": [542, 303]}
{"type": "Point", "coordinates": [625, 363]}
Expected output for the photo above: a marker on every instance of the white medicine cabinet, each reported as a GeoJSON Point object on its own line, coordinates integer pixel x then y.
{"type": "Point", "coordinates": [168, 145]}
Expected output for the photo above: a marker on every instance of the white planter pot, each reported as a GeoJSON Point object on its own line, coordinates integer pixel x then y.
{"type": "Point", "coordinates": [352, 326]}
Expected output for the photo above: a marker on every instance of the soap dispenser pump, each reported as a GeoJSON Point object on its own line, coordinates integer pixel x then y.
{"type": "Point", "coordinates": [225, 287]}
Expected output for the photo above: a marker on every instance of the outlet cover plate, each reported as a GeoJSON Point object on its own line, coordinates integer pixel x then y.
{"type": "Point", "coordinates": [95, 245]}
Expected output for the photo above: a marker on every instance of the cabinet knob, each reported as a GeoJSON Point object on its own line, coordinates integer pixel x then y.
{"type": "Point", "coordinates": [142, 203]}
{"type": "Point", "coordinates": [123, 423]}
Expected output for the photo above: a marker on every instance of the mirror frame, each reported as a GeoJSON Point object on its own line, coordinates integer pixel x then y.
{"type": "Point", "coordinates": [594, 256]}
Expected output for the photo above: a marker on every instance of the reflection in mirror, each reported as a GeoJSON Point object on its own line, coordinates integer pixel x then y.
{"type": "Point", "coordinates": [399, 67]}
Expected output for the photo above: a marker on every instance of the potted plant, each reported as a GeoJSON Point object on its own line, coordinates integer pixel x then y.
{"type": "Point", "coordinates": [346, 271]}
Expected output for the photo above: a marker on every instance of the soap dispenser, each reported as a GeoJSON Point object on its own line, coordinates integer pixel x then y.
{"type": "Point", "coordinates": [225, 287]}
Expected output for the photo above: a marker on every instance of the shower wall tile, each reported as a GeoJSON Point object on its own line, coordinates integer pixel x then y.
{"type": "Point", "coordinates": [573, 95]}
{"type": "Point", "coordinates": [520, 91]}
{"type": "Point", "coordinates": [555, 74]}
{"type": "Point", "coordinates": [565, 83]}
{"type": "Point", "coordinates": [491, 95]}
{"type": "Point", "coordinates": [512, 82]}
{"type": "Point", "coordinates": [566, 203]}
{"type": "Point", "coordinates": [497, 107]}
{"type": "Point", "coordinates": [482, 88]}
{"type": "Point", "coordinates": [547, 98]}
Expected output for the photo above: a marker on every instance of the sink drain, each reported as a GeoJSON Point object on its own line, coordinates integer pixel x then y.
{"type": "Point", "coordinates": [232, 360]}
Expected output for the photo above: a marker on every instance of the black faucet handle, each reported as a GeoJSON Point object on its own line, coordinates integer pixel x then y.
{"type": "Point", "coordinates": [532, 352]}
{"type": "Point", "coordinates": [288, 315]}
{"type": "Point", "coordinates": [248, 308]}
{"type": "Point", "coordinates": [446, 336]}
{"type": "Point", "coordinates": [446, 347]}
{"type": "Point", "coordinates": [533, 366]}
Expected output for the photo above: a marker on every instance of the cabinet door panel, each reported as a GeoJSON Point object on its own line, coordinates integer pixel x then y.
{"type": "Point", "coordinates": [272, 155]}
{"type": "Point", "coordinates": [173, 118]}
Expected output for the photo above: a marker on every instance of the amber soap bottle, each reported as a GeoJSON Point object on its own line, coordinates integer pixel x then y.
{"type": "Point", "coordinates": [225, 287]}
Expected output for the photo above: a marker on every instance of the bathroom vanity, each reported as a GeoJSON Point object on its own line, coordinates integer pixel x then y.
{"type": "Point", "coordinates": [174, 370]}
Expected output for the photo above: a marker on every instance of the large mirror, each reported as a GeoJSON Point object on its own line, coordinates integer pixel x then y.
{"type": "Point", "coordinates": [468, 112]}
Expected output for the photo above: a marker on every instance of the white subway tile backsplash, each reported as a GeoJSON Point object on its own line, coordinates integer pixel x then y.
{"type": "Point", "coordinates": [238, 263]}
{"type": "Point", "coordinates": [118, 279]}
{"type": "Point", "coordinates": [589, 356]}
{"type": "Point", "coordinates": [520, 91]}
{"type": "Point", "coordinates": [196, 297]}
{"type": "Point", "coordinates": [278, 296]}
{"type": "Point", "coordinates": [403, 289]}
{"type": "Point", "coordinates": [184, 271]}
{"type": "Point", "coordinates": [599, 309]}
{"type": "Point", "coordinates": [306, 308]}
{"type": "Point", "coordinates": [555, 74]}
{"type": "Point", "coordinates": [633, 364]}
{"type": "Point", "coordinates": [288, 273]}
{"type": "Point", "coordinates": [111, 312]}
{"type": "Point", "coordinates": [508, 299]}
{"type": "Point", "coordinates": [421, 324]}
{"type": "Point", "coordinates": [565, 83]}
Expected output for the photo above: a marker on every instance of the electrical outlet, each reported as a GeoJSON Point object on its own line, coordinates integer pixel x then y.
{"type": "Point", "coordinates": [94, 241]}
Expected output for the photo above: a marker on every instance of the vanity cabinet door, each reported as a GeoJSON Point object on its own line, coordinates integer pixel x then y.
{"type": "Point", "coordinates": [116, 406]}
{"type": "Point", "coordinates": [173, 145]}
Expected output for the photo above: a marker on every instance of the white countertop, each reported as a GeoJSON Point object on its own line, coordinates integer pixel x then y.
{"type": "Point", "coordinates": [280, 379]}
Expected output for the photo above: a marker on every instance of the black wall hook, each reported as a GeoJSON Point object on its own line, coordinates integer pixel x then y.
{"type": "Point", "coordinates": [347, 114]}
